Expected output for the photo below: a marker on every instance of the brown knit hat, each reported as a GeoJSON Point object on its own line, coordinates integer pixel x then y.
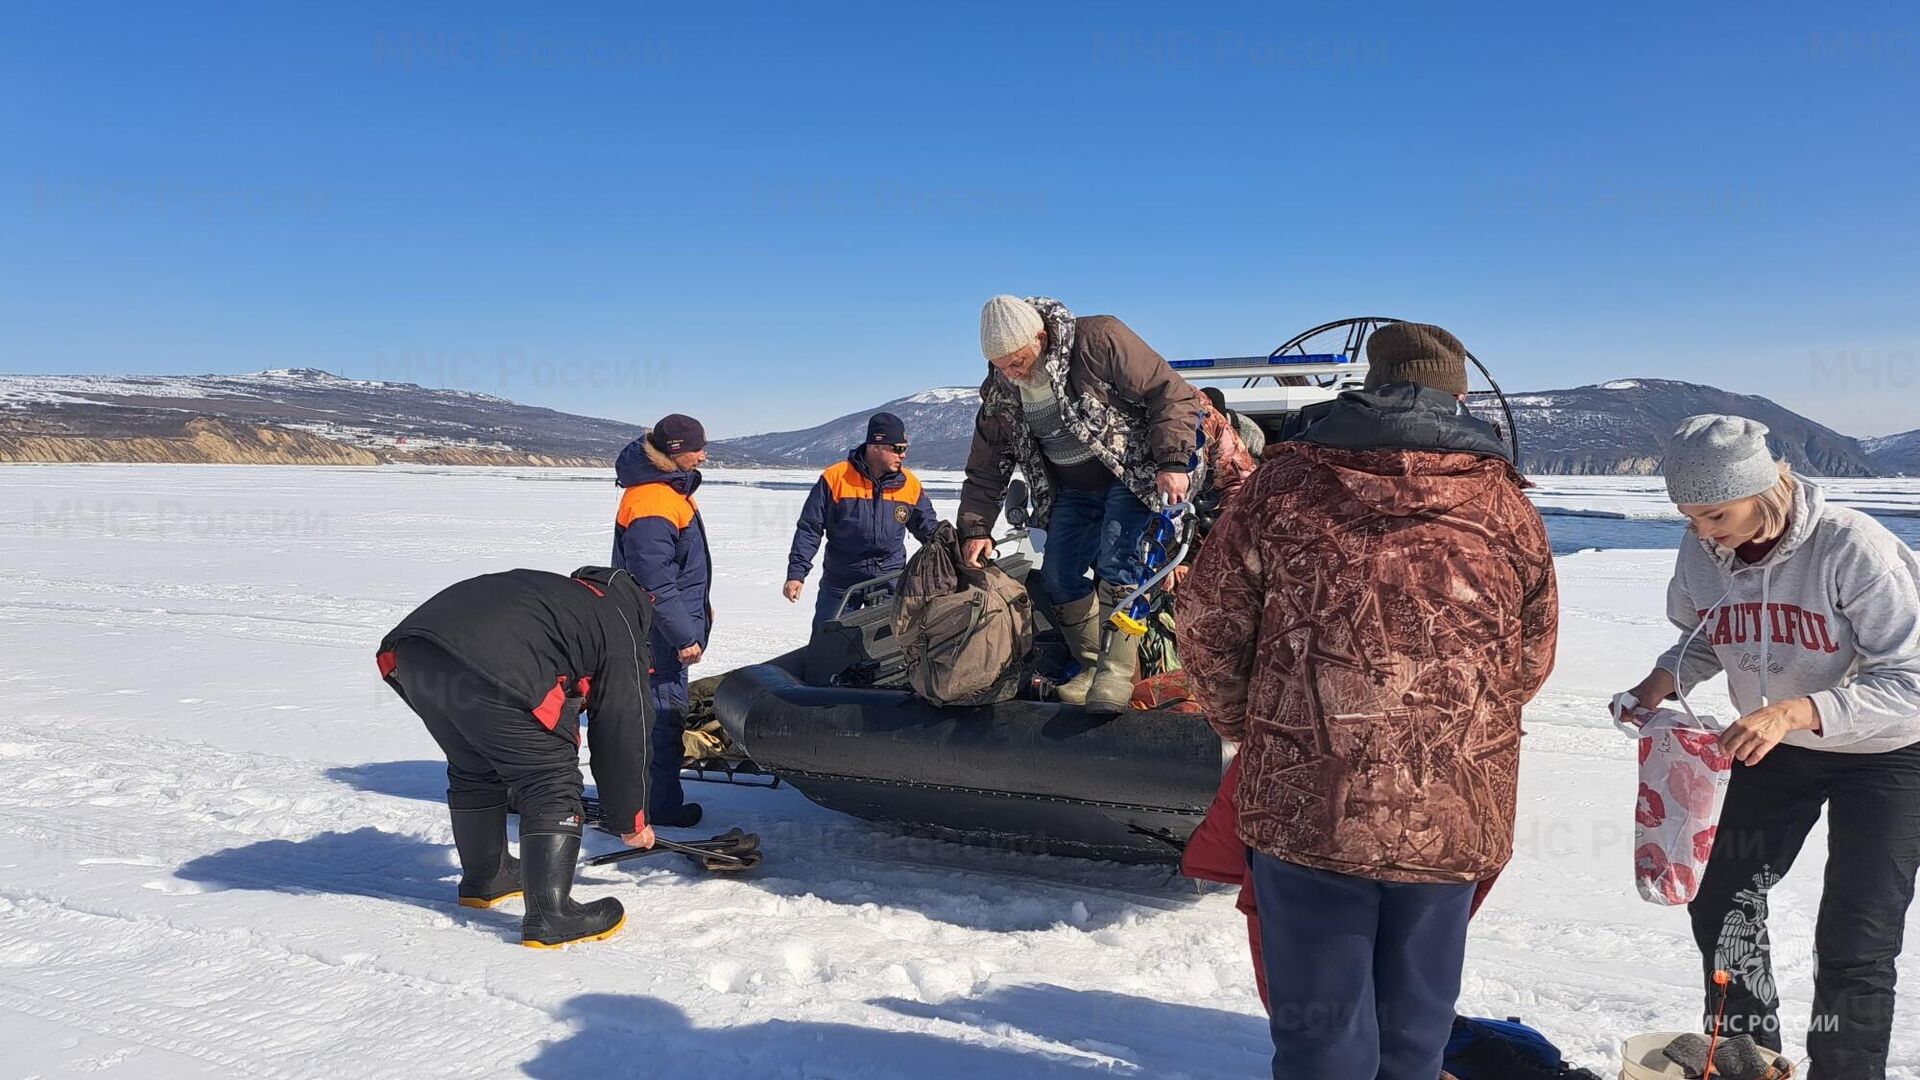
{"type": "Point", "coordinates": [1416, 353]}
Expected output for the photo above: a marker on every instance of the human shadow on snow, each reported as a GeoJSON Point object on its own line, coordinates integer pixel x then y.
{"type": "Point", "coordinates": [633, 1035]}
{"type": "Point", "coordinates": [1155, 1037]}
{"type": "Point", "coordinates": [401, 779]}
{"type": "Point", "coordinates": [848, 862]}
{"type": "Point", "coordinates": [960, 886]}
{"type": "Point", "coordinates": [365, 862]}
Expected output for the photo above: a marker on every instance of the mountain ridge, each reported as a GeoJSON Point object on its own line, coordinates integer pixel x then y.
{"type": "Point", "coordinates": [1613, 429]}
{"type": "Point", "coordinates": [1895, 455]}
{"type": "Point", "coordinates": [310, 416]}
{"type": "Point", "coordinates": [295, 416]}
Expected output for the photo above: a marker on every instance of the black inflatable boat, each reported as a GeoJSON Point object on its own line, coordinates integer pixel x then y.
{"type": "Point", "coordinates": [834, 720]}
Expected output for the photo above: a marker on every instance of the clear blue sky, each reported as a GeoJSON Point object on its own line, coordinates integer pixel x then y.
{"type": "Point", "coordinates": [767, 214]}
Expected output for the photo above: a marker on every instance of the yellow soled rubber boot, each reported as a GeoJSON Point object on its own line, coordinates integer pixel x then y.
{"type": "Point", "coordinates": [488, 875]}
{"type": "Point", "coordinates": [547, 860]}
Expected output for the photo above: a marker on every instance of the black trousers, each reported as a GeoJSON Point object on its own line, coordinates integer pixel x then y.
{"type": "Point", "coordinates": [1872, 803]}
{"type": "Point", "coordinates": [491, 744]}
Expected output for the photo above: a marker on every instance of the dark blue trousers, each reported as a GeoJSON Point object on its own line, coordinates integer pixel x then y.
{"type": "Point", "coordinates": [1362, 974]}
{"type": "Point", "coordinates": [665, 798]}
{"type": "Point", "coordinates": [1092, 530]}
{"type": "Point", "coordinates": [826, 603]}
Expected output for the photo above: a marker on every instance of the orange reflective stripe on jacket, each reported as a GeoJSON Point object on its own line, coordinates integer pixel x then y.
{"type": "Point", "coordinates": [846, 482]}
{"type": "Point", "coordinates": [655, 500]}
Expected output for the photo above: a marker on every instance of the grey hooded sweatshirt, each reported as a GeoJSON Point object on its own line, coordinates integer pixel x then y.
{"type": "Point", "coordinates": [1832, 613]}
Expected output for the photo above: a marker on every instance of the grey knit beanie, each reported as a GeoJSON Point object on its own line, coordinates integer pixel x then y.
{"type": "Point", "coordinates": [1716, 459]}
{"type": "Point", "coordinates": [1007, 325]}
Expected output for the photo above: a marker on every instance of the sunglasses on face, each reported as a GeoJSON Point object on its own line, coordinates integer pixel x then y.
{"type": "Point", "coordinates": [898, 448]}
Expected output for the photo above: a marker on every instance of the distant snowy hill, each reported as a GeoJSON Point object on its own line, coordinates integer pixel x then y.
{"type": "Point", "coordinates": [1620, 427]}
{"type": "Point", "coordinates": [1895, 455]}
{"type": "Point", "coordinates": [1615, 428]}
{"type": "Point", "coordinates": [939, 427]}
{"type": "Point", "coordinates": [311, 417]}
{"type": "Point", "coordinates": [297, 416]}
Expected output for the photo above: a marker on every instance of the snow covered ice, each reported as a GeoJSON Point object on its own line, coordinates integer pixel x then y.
{"type": "Point", "coordinates": [222, 851]}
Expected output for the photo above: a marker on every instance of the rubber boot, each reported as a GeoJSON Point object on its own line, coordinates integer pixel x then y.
{"type": "Point", "coordinates": [1080, 625]}
{"type": "Point", "coordinates": [547, 858]}
{"type": "Point", "coordinates": [689, 816]}
{"type": "Point", "coordinates": [1112, 688]}
{"type": "Point", "coordinates": [488, 875]}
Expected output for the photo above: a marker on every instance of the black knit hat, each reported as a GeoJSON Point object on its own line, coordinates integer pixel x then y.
{"type": "Point", "coordinates": [886, 429]}
{"type": "Point", "coordinates": [1416, 353]}
{"type": "Point", "coordinates": [677, 433]}
{"type": "Point", "coordinates": [1216, 397]}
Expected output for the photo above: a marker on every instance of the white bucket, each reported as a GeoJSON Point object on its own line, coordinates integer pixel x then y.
{"type": "Point", "coordinates": [1642, 1058]}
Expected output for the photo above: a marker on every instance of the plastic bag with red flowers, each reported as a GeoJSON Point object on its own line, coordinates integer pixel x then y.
{"type": "Point", "coordinates": [1683, 781]}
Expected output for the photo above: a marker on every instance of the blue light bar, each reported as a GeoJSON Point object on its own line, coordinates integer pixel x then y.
{"type": "Point", "coordinates": [1258, 361]}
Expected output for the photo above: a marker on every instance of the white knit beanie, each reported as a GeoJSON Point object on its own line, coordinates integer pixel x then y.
{"type": "Point", "coordinates": [1716, 459]}
{"type": "Point", "coordinates": [1007, 325]}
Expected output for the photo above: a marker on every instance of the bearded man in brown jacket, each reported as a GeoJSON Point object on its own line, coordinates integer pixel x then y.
{"type": "Point", "coordinates": [1104, 431]}
{"type": "Point", "coordinates": [1366, 620]}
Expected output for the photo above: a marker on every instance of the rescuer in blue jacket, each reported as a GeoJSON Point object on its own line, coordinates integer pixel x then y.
{"type": "Point", "coordinates": [864, 507]}
{"type": "Point", "coordinates": [659, 538]}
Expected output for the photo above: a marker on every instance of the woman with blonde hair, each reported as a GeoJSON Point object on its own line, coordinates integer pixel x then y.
{"type": "Point", "coordinates": [1813, 612]}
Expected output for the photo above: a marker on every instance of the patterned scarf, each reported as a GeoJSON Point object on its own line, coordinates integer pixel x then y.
{"type": "Point", "coordinates": [1115, 432]}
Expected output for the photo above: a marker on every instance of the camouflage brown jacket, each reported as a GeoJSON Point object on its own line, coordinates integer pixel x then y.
{"type": "Point", "coordinates": [1367, 624]}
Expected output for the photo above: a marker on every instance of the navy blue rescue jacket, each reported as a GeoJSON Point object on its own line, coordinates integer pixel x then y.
{"type": "Point", "coordinates": [865, 522]}
{"type": "Point", "coordinates": [659, 538]}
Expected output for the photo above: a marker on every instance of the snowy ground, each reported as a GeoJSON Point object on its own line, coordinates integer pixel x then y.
{"type": "Point", "coordinates": [221, 854]}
